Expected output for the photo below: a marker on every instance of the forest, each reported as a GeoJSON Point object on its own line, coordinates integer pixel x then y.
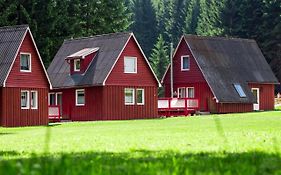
{"type": "Point", "coordinates": [156, 23]}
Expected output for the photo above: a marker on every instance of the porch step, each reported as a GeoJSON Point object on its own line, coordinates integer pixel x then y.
{"type": "Point", "coordinates": [203, 113]}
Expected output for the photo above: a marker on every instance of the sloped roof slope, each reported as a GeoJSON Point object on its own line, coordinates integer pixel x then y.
{"type": "Point", "coordinates": [10, 41]}
{"type": "Point", "coordinates": [110, 46]}
{"type": "Point", "coordinates": [227, 61]}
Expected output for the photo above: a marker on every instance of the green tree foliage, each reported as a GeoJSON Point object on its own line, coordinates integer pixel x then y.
{"type": "Point", "coordinates": [192, 16]}
{"type": "Point", "coordinates": [144, 25]}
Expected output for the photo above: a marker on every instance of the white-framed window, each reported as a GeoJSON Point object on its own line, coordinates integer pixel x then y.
{"type": "Point", "coordinates": [190, 92]}
{"type": "Point", "coordinates": [140, 96]}
{"type": "Point", "coordinates": [77, 65]}
{"type": "Point", "coordinates": [130, 64]}
{"type": "Point", "coordinates": [181, 92]}
{"type": "Point", "coordinates": [185, 63]}
{"type": "Point", "coordinates": [25, 62]}
{"type": "Point", "coordinates": [239, 90]}
{"type": "Point", "coordinates": [52, 99]}
{"type": "Point", "coordinates": [80, 97]}
{"type": "Point", "coordinates": [24, 101]}
{"type": "Point", "coordinates": [129, 94]}
{"type": "Point", "coordinates": [34, 100]}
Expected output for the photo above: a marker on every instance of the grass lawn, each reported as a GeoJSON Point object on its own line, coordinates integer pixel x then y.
{"type": "Point", "coordinates": [218, 144]}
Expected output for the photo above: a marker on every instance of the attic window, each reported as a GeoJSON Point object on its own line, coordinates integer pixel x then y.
{"type": "Point", "coordinates": [130, 65]}
{"type": "Point", "coordinates": [239, 90]}
{"type": "Point", "coordinates": [185, 63]}
{"type": "Point", "coordinates": [77, 65]}
{"type": "Point", "coordinates": [25, 62]}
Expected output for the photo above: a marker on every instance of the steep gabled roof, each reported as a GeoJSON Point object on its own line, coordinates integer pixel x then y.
{"type": "Point", "coordinates": [11, 38]}
{"type": "Point", "coordinates": [110, 47]}
{"type": "Point", "coordinates": [228, 61]}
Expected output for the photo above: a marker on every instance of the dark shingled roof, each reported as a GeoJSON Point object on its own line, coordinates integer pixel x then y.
{"type": "Point", "coordinates": [110, 46]}
{"type": "Point", "coordinates": [10, 40]}
{"type": "Point", "coordinates": [226, 61]}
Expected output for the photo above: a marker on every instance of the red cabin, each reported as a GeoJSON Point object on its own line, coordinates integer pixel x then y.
{"type": "Point", "coordinates": [24, 83]}
{"type": "Point", "coordinates": [104, 77]}
{"type": "Point", "coordinates": [226, 74]}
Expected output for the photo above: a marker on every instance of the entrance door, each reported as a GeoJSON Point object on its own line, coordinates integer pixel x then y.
{"type": "Point", "coordinates": [256, 93]}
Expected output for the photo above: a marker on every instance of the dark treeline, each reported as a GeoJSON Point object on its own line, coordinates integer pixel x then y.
{"type": "Point", "coordinates": [156, 23]}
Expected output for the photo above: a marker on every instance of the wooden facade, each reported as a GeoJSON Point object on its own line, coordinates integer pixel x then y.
{"type": "Point", "coordinates": [202, 91]}
{"type": "Point", "coordinates": [12, 114]}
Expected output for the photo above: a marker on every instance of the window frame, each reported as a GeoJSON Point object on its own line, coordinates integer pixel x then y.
{"type": "Point", "coordinates": [75, 66]}
{"type": "Point", "coordinates": [136, 64]}
{"type": "Point", "coordinates": [237, 87]}
{"type": "Point", "coordinates": [184, 88]}
{"type": "Point", "coordinates": [76, 97]}
{"type": "Point", "coordinates": [182, 57]}
{"type": "Point", "coordinates": [133, 96]}
{"type": "Point", "coordinates": [27, 100]}
{"type": "Point", "coordinates": [187, 88]}
{"type": "Point", "coordinates": [36, 99]}
{"type": "Point", "coordinates": [29, 66]}
{"type": "Point", "coordinates": [142, 90]}
{"type": "Point", "coordinates": [49, 99]}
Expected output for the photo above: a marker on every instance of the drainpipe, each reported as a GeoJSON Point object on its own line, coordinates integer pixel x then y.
{"type": "Point", "coordinates": [172, 80]}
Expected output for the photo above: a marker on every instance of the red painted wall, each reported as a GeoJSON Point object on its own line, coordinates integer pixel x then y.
{"type": "Point", "coordinates": [84, 64]}
{"type": "Point", "coordinates": [13, 115]}
{"type": "Point", "coordinates": [36, 78]}
{"type": "Point", "coordinates": [266, 95]}
{"type": "Point", "coordinates": [118, 77]}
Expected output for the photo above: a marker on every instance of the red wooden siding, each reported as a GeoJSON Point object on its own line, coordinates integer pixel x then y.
{"type": "Point", "coordinates": [36, 78]}
{"type": "Point", "coordinates": [114, 107]}
{"type": "Point", "coordinates": [233, 107]}
{"type": "Point", "coordinates": [118, 77]}
{"type": "Point", "coordinates": [13, 115]}
{"type": "Point", "coordinates": [266, 95]}
{"type": "Point", "coordinates": [84, 64]}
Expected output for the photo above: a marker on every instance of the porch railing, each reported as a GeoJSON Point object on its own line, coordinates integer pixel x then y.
{"type": "Point", "coordinates": [54, 113]}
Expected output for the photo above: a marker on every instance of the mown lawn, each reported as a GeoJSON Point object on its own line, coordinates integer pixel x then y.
{"type": "Point", "coordinates": [218, 144]}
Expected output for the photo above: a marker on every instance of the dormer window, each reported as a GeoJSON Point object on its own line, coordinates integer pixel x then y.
{"type": "Point", "coordinates": [25, 62]}
{"type": "Point", "coordinates": [130, 65]}
{"type": "Point", "coordinates": [185, 63]}
{"type": "Point", "coordinates": [77, 65]}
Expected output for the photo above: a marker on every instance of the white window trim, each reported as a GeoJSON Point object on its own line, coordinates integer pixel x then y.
{"type": "Point", "coordinates": [76, 97]}
{"type": "Point", "coordinates": [179, 91]}
{"type": "Point", "coordinates": [187, 92]}
{"type": "Point", "coordinates": [56, 100]}
{"type": "Point", "coordinates": [132, 97]}
{"type": "Point", "coordinates": [26, 53]}
{"type": "Point", "coordinates": [182, 63]}
{"type": "Point", "coordinates": [142, 103]}
{"type": "Point", "coordinates": [28, 99]}
{"type": "Point", "coordinates": [75, 68]}
{"type": "Point", "coordinates": [36, 99]}
{"type": "Point", "coordinates": [136, 65]}
{"type": "Point", "coordinates": [49, 97]}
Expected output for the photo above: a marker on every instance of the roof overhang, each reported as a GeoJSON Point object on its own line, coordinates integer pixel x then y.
{"type": "Point", "coordinates": [82, 53]}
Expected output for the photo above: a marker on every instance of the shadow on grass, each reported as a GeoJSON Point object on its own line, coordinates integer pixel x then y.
{"type": "Point", "coordinates": [5, 133]}
{"type": "Point", "coordinates": [9, 153]}
{"type": "Point", "coordinates": [145, 162]}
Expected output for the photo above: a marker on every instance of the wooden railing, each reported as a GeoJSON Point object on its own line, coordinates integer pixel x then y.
{"type": "Point", "coordinates": [54, 113]}
{"type": "Point", "coordinates": [177, 106]}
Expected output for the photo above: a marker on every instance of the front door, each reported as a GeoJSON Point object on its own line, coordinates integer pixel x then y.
{"type": "Point", "coordinates": [256, 93]}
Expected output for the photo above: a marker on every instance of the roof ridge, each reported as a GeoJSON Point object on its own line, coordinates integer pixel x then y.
{"type": "Point", "coordinates": [219, 37]}
{"type": "Point", "coordinates": [15, 26]}
{"type": "Point", "coordinates": [97, 36]}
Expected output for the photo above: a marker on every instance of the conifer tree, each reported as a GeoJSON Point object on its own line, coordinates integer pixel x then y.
{"type": "Point", "coordinates": [192, 15]}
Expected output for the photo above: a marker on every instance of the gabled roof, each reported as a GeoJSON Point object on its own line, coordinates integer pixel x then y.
{"type": "Point", "coordinates": [11, 38]}
{"type": "Point", "coordinates": [110, 48]}
{"type": "Point", "coordinates": [228, 61]}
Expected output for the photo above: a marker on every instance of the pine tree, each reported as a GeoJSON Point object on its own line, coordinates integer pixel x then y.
{"type": "Point", "coordinates": [179, 13]}
{"type": "Point", "coordinates": [144, 25]}
{"type": "Point", "coordinates": [192, 16]}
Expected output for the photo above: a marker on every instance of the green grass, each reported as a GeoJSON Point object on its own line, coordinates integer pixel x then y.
{"type": "Point", "coordinates": [218, 144]}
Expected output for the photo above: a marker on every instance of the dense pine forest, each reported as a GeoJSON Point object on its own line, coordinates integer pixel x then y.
{"type": "Point", "coordinates": [156, 23]}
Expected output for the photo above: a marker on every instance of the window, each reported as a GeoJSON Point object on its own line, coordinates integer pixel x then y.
{"type": "Point", "coordinates": [25, 62]}
{"type": "Point", "coordinates": [24, 99]}
{"type": "Point", "coordinates": [77, 65]}
{"type": "Point", "coordinates": [52, 99]}
{"type": "Point", "coordinates": [190, 92]}
{"type": "Point", "coordinates": [129, 96]}
{"type": "Point", "coordinates": [34, 100]}
{"type": "Point", "coordinates": [181, 92]}
{"type": "Point", "coordinates": [140, 96]}
{"type": "Point", "coordinates": [80, 97]}
{"type": "Point", "coordinates": [185, 63]}
{"type": "Point", "coordinates": [130, 65]}
{"type": "Point", "coordinates": [239, 90]}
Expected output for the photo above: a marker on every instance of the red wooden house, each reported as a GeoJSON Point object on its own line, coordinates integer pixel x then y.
{"type": "Point", "coordinates": [104, 77]}
{"type": "Point", "coordinates": [24, 82]}
{"type": "Point", "coordinates": [226, 75]}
